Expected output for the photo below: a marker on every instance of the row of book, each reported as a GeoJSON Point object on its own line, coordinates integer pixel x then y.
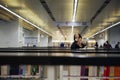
{"type": "Point", "coordinates": [26, 70]}
{"type": "Point", "coordinates": [70, 71]}
{"type": "Point", "coordinates": [100, 71]}
{"type": "Point", "coordinates": [104, 72]}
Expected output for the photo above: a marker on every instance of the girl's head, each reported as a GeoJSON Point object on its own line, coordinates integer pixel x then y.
{"type": "Point", "coordinates": [77, 36]}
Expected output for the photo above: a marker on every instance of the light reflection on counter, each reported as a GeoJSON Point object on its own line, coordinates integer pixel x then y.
{"type": "Point", "coordinates": [81, 55]}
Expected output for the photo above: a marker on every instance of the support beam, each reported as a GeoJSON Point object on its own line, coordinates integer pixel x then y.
{"type": "Point", "coordinates": [71, 24]}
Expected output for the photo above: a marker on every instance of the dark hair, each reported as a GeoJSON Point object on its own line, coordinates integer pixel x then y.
{"type": "Point", "coordinates": [79, 36]}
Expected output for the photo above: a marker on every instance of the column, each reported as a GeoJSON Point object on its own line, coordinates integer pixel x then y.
{"type": "Point", "coordinates": [43, 40]}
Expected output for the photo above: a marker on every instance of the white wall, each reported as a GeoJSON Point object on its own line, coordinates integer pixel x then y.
{"type": "Point", "coordinates": [114, 35]}
{"type": "Point", "coordinates": [30, 37]}
{"type": "Point", "coordinates": [38, 38]}
{"type": "Point", "coordinates": [20, 35]}
{"type": "Point", "coordinates": [9, 34]}
{"type": "Point", "coordinates": [12, 34]}
{"type": "Point", "coordinates": [28, 33]}
{"type": "Point", "coordinates": [101, 38]}
{"type": "Point", "coordinates": [43, 41]}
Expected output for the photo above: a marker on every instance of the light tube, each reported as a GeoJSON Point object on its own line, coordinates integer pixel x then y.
{"type": "Point", "coordinates": [24, 19]}
{"type": "Point", "coordinates": [75, 10]}
{"type": "Point", "coordinates": [105, 29]}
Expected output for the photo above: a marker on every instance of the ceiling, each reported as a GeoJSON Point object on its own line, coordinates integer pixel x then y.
{"type": "Point", "coordinates": [62, 11]}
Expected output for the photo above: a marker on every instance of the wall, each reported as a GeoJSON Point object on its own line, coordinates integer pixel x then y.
{"type": "Point", "coordinates": [114, 35]}
{"type": "Point", "coordinates": [101, 38]}
{"type": "Point", "coordinates": [36, 38]}
{"type": "Point", "coordinates": [9, 34]}
{"type": "Point", "coordinates": [20, 35]}
{"type": "Point", "coordinates": [12, 34]}
{"type": "Point", "coordinates": [43, 41]}
{"type": "Point", "coordinates": [30, 37]}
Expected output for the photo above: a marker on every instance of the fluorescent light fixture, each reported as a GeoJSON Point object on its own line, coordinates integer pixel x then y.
{"type": "Point", "coordinates": [74, 14]}
{"type": "Point", "coordinates": [91, 41]}
{"type": "Point", "coordinates": [58, 41]}
{"type": "Point", "coordinates": [75, 9]}
{"type": "Point", "coordinates": [72, 32]}
{"type": "Point", "coordinates": [24, 19]}
{"type": "Point", "coordinates": [105, 29]}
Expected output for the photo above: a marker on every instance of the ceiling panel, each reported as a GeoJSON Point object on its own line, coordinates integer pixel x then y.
{"type": "Point", "coordinates": [86, 9]}
{"type": "Point", "coordinates": [61, 9]}
{"type": "Point", "coordinates": [6, 16]}
{"type": "Point", "coordinates": [33, 11]}
{"type": "Point", "coordinates": [108, 16]}
{"type": "Point", "coordinates": [39, 15]}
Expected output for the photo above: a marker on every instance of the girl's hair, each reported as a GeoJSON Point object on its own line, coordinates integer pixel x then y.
{"type": "Point", "coordinates": [79, 36]}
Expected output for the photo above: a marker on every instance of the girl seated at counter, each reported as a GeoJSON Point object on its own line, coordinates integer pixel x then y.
{"type": "Point", "coordinates": [77, 42]}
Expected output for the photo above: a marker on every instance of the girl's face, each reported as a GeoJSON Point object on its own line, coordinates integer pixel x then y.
{"type": "Point", "coordinates": [80, 40]}
{"type": "Point", "coordinates": [76, 37]}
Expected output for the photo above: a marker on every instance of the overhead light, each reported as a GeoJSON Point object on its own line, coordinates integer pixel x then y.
{"type": "Point", "coordinates": [74, 15]}
{"type": "Point", "coordinates": [3, 7]}
{"type": "Point", "coordinates": [58, 41]}
{"type": "Point", "coordinates": [75, 10]}
{"type": "Point", "coordinates": [87, 38]}
{"type": "Point", "coordinates": [91, 41]}
{"type": "Point", "coordinates": [105, 29]}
